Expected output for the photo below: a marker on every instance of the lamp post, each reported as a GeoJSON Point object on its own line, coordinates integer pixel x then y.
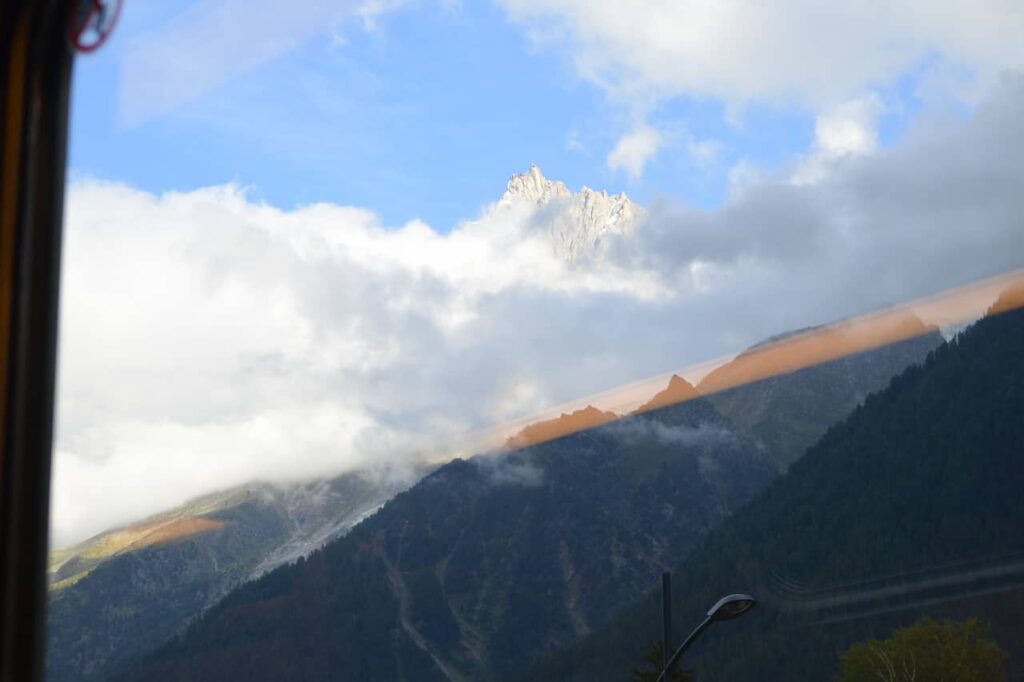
{"type": "Point", "coordinates": [726, 608]}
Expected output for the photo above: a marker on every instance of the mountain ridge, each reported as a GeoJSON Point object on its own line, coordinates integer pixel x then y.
{"type": "Point", "coordinates": [678, 390]}
{"type": "Point", "coordinates": [908, 507]}
{"type": "Point", "coordinates": [436, 623]}
{"type": "Point", "coordinates": [486, 562]}
{"type": "Point", "coordinates": [563, 425]}
{"type": "Point", "coordinates": [125, 591]}
{"type": "Point", "coordinates": [576, 222]}
{"type": "Point", "coordinates": [845, 380]}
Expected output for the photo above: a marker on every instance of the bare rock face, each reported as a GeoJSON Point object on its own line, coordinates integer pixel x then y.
{"type": "Point", "coordinates": [576, 222]}
{"type": "Point", "coordinates": [533, 186]}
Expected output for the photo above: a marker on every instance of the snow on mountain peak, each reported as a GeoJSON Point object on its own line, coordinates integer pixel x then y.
{"type": "Point", "coordinates": [576, 222]}
{"type": "Point", "coordinates": [533, 186]}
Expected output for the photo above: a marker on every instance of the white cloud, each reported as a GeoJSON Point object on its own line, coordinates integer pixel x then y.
{"type": "Point", "coordinates": [938, 207]}
{"type": "Point", "coordinates": [841, 132]}
{"type": "Point", "coordinates": [788, 53]}
{"type": "Point", "coordinates": [785, 51]}
{"type": "Point", "coordinates": [850, 128]}
{"type": "Point", "coordinates": [208, 339]}
{"type": "Point", "coordinates": [634, 150]}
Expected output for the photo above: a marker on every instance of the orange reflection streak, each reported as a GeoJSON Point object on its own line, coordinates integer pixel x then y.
{"type": "Point", "coordinates": [894, 324]}
{"type": "Point", "coordinates": [549, 429]}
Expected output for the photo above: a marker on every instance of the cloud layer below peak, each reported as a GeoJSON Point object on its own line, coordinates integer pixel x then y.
{"type": "Point", "coordinates": [208, 339]}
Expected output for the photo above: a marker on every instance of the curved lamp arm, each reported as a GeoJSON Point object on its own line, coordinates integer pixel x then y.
{"type": "Point", "coordinates": [697, 632]}
{"type": "Point", "coordinates": [727, 608]}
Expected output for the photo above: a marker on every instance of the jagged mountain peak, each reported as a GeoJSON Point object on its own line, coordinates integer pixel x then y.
{"type": "Point", "coordinates": [576, 222]}
{"type": "Point", "coordinates": [533, 186]}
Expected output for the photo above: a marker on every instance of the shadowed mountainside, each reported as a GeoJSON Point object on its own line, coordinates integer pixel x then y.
{"type": "Point", "coordinates": [909, 507]}
{"type": "Point", "coordinates": [95, 626]}
{"type": "Point", "coordinates": [619, 473]}
{"type": "Point", "coordinates": [485, 564]}
{"type": "Point", "coordinates": [126, 591]}
{"type": "Point", "coordinates": [786, 413]}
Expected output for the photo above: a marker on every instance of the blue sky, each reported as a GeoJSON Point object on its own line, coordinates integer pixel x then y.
{"type": "Point", "coordinates": [424, 115]}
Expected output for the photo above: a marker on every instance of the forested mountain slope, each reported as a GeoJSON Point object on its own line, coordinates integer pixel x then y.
{"type": "Point", "coordinates": [910, 506]}
{"type": "Point", "coordinates": [486, 564]}
{"type": "Point", "coordinates": [612, 529]}
{"type": "Point", "coordinates": [786, 414]}
{"type": "Point", "coordinates": [124, 592]}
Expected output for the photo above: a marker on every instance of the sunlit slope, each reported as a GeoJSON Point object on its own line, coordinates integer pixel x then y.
{"type": "Point", "coordinates": [126, 591]}
{"type": "Point", "coordinates": [67, 565]}
{"type": "Point", "coordinates": [485, 564]}
{"type": "Point", "coordinates": [911, 506]}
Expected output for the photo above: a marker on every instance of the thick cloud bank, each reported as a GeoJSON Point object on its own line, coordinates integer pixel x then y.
{"type": "Point", "coordinates": [787, 50]}
{"type": "Point", "coordinates": [208, 339]}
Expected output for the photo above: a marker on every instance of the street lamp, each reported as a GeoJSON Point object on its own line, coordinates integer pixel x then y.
{"type": "Point", "coordinates": [726, 608]}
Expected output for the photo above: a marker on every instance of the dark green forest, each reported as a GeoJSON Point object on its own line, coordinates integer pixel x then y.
{"type": "Point", "coordinates": [911, 506]}
{"type": "Point", "coordinates": [133, 603]}
{"type": "Point", "coordinates": [120, 602]}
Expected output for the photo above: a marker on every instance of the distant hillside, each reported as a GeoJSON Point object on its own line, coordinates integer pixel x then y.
{"type": "Point", "coordinates": [183, 561]}
{"type": "Point", "coordinates": [473, 623]}
{"type": "Point", "coordinates": [787, 413]}
{"type": "Point", "coordinates": [910, 506]}
{"type": "Point", "coordinates": [486, 564]}
{"type": "Point", "coordinates": [126, 591]}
